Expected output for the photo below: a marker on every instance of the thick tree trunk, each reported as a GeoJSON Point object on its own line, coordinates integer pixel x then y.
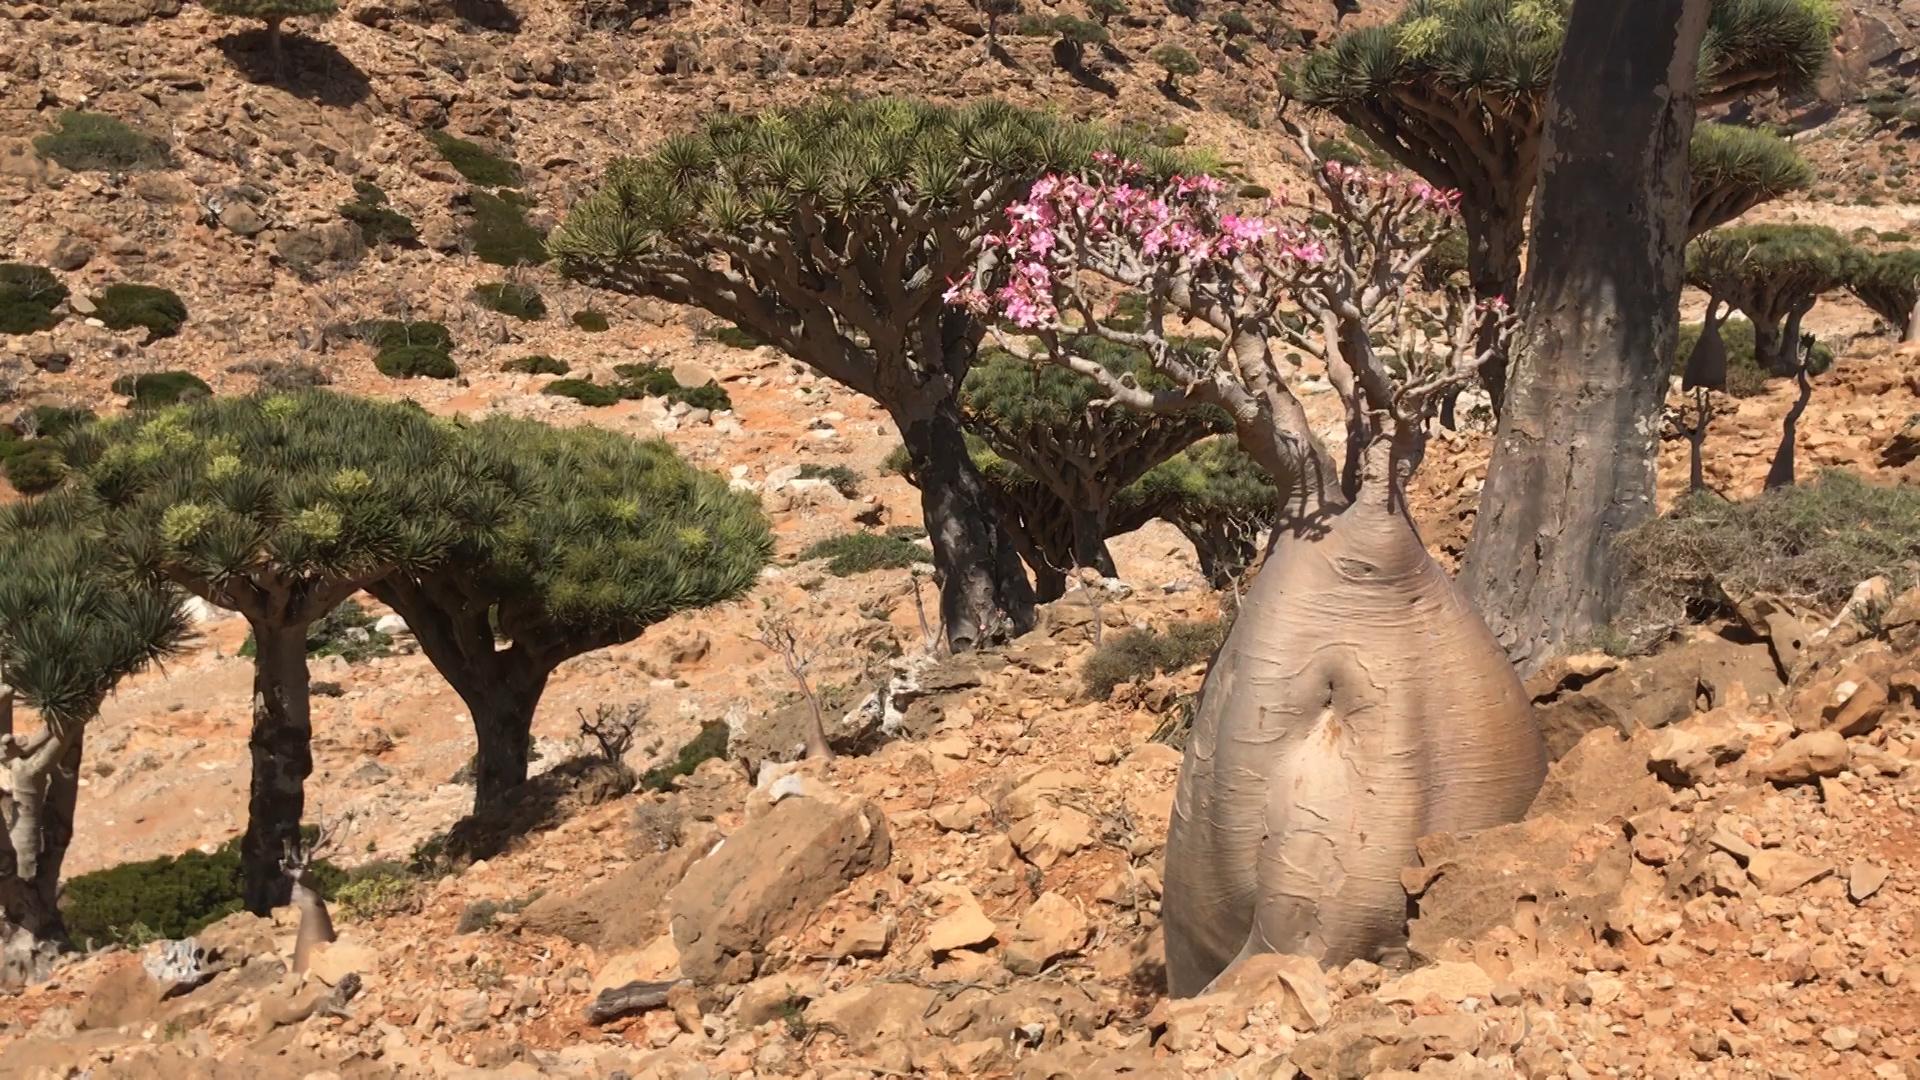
{"type": "Point", "coordinates": [38, 816]}
{"type": "Point", "coordinates": [1494, 238]}
{"type": "Point", "coordinates": [1090, 542]}
{"type": "Point", "coordinates": [984, 593]}
{"type": "Point", "coordinates": [1358, 704]}
{"type": "Point", "coordinates": [1781, 473]}
{"type": "Point", "coordinates": [503, 731]}
{"type": "Point", "coordinates": [282, 761]}
{"type": "Point", "coordinates": [1784, 360]}
{"type": "Point", "coordinates": [1573, 465]}
{"type": "Point", "coordinates": [1766, 345]}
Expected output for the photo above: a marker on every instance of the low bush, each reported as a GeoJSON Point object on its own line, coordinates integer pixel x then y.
{"type": "Point", "coordinates": [585, 391]}
{"type": "Point", "coordinates": [593, 322]}
{"type": "Point", "coordinates": [283, 374]}
{"type": "Point", "coordinates": [733, 337]}
{"type": "Point", "coordinates": [537, 365]}
{"type": "Point", "coordinates": [415, 362]}
{"type": "Point", "coordinates": [379, 222]}
{"type": "Point", "coordinates": [861, 552]}
{"type": "Point", "coordinates": [1141, 654]}
{"type": "Point", "coordinates": [1746, 376]}
{"type": "Point", "coordinates": [158, 311]}
{"type": "Point", "coordinates": [31, 466]}
{"type": "Point", "coordinates": [375, 890]}
{"type": "Point", "coordinates": [173, 896]}
{"type": "Point", "coordinates": [500, 233]}
{"type": "Point", "coordinates": [53, 421]}
{"type": "Point", "coordinates": [710, 744]}
{"type": "Point", "coordinates": [476, 163]}
{"type": "Point", "coordinates": [387, 333]}
{"type": "Point", "coordinates": [30, 298]}
{"type": "Point", "coordinates": [1811, 543]}
{"type": "Point", "coordinates": [346, 632]}
{"type": "Point", "coordinates": [511, 299]}
{"type": "Point", "coordinates": [844, 480]}
{"type": "Point", "coordinates": [653, 380]}
{"type": "Point", "coordinates": [91, 142]}
{"type": "Point", "coordinates": [161, 388]}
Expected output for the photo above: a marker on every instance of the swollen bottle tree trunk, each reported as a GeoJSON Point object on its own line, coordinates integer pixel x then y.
{"type": "Point", "coordinates": [1599, 312]}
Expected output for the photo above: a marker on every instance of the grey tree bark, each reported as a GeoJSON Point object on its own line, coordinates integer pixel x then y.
{"type": "Point", "coordinates": [282, 760]}
{"type": "Point", "coordinates": [1573, 465]}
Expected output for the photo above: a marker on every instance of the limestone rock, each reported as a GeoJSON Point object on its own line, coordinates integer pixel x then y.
{"type": "Point", "coordinates": [1806, 757]}
{"type": "Point", "coordinates": [1780, 872]}
{"type": "Point", "coordinates": [768, 877]}
{"type": "Point", "coordinates": [964, 926]}
{"type": "Point", "coordinates": [335, 960]}
{"type": "Point", "coordinates": [1298, 985]}
{"type": "Point", "coordinates": [1052, 928]}
{"type": "Point", "coordinates": [872, 1014]}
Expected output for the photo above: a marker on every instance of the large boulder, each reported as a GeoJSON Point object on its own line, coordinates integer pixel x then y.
{"type": "Point", "coordinates": [768, 878]}
{"type": "Point", "coordinates": [1572, 698]}
{"type": "Point", "coordinates": [624, 910]}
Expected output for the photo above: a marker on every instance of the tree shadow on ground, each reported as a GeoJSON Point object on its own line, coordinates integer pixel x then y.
{"type": "Point", "coordinates": [538, 805]}
{"type": "Point", "coordinates": [315, 70]}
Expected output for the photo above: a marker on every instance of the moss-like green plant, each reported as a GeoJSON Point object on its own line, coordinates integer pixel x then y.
{"type": "Point", "coordinates": [862, 552]}
{"type": "Point", "coordinates": [585, 391]}
{"type": "Point", "coordinates": [500, 233]}
{"type": "Point", "coordinates": [1236, 23]}
{"type": "Point", "coordinates": [92, 142]}
{"type": "Point", "coordinates": [537, 365]}
{"type": "Point", "coordinates": [387, 333]}
{"type": "Point", "coordinates": [648, 379]}
{"type": "Point", "coordinates": [415, 362]}
{"type": "Point", "coordinates": [30, 298]}
{"type": "Point", "coordinates": [161, 388]}
{"type": "Point", "coordinates": [1141, 654]}
{"type": "Point", "coordinates": [734, 337]}
{"type": "Point", "coordinates": [379, 222]}
{"type": "Point", "coordinates": [593, 322]}
{"type": "Point", "coordinates": [475, 162]}
{"type": "Point", "coordinates": [844, 480]}
{"type": "Point", "coordinates": [34, 469]}
{"type": "Point", "coordinates": [123, 307]}
{"type": "Point", "coordinates": [53, 421]}
{"type": "Point", "coordinates": [511, 299]}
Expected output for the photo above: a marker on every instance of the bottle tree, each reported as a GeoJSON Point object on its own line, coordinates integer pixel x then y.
{"type": "Point", "coordinates": [1043, 419]}
{"type": "Point", "coordinates": [1573, 462]}
{"type": "Point", "coordinates": [831, 231]}
{"type": "Point", "coordinates": [70, 629]}
{"type": "Point", "coordinates": [273, 13]}
{"type": "Point", "coordinates": [1773, 274]}
{"type": "Point", "coordinates": [1359, 702]}
{"type": "Point", "coordinates": [616, 535]}
{"type": "Point", "coordinates": [1889, 283]}
{"type": "Point", "coordinates": [280, 507]}
{"type": "Point", "coordinates": [1456, 90]}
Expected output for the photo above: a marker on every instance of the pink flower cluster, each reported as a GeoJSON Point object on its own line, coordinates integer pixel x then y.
{"type": "Point", "coordinates": [1353, 179]}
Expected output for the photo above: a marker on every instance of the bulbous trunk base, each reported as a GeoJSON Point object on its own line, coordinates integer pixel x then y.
{"type": "Point", "coordinates": [1358, 704]}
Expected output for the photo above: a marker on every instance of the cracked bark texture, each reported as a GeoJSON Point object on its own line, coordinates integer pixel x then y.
{"type": "Point", "coordinates": [1573, 464]}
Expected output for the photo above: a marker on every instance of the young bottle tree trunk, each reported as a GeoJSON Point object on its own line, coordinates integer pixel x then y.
{"type": "Point", "coordinates": [1358, 703]}
{"type": "Point", "coordinates": [1599, 313]}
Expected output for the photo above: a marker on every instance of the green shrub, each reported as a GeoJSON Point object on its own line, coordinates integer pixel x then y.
{"type": "Point", "coordinates": [1746, 376]}
{"type": "Point", "coordinates": [53, 421]}
{"type": "Point", "coordinates": [593, 322]}
{"type": "Point", "coordinates": [30, 297]}
{"type": "Point", "coordinates": [1812, 542]}
{"type": "Point", "coordinates": [652, 380]}
{"type": "Point", "coordinates": [173, 896]}
{"type": "Point", "coordinates": [91, 142]}
{"type": "Point", "coordinates": [861, 552]}
{"type": "Point", "coordinates": [378, 889]}
{"type": "Point", "coordinates": [585, 391]}
{"type": "Point", "coordinates": [415, 362]}
{"type": "Point", "coordinates": [733, 337]}
{"type": "Point", "coordinates": [35, 469]}
{"type": "Point", "coordinates": [843, 479]}
{"type": "Point", "coordinates": [1169, 135]}
{"type": "Point", "coordinates": [161, 388]}
{"type": "Point", "coordinates": [500, 233]}
{"type": "Point", "coordinates": [475, 162]}
{"type": "Point", "coordinates": [1446, 261]}
{"type": "Point", "coordinates": [710, 744]}
{"type": "Point", "coordinates": [159, 311]}
{"type": "Point", "coordinates": [1236, 23]}
{"type": "Point", "coordinates": [387, 333]}
{"type": "Point", "coordinates": [538, 365]}
{"type": "Point", "coordinates": [1141, 654]}
{"type": "Point", "coordinates": [510, 299]}
{"type": "Point", "coordinates": [346, 632]}
{"type": "Point", "coordinates": [1895, 237]}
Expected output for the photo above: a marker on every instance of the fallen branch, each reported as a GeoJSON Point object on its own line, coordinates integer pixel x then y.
{"type": "Point", "coordinates": [635, 997]}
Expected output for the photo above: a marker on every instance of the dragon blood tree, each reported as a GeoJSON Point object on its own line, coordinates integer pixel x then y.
{"type": "Point", "coordinates": [1456, 90]}
{"type": "Point", "coordinates": [830, 231]}
{"type": "Point", "coordinates": [1219, 500]}
{"type": "Point", "coordinates": [280, 507]}
{"type": "Point", "coordinates": [1774, 274]}
{"type": "Point", "coordinates": [1889, 283]}
{"type": "Point", "coordinates": [70, 630]}
{"type": "Point", "coordinates": [1045, 421]}
{"type": "Point", "coordinates": [1359, 701]}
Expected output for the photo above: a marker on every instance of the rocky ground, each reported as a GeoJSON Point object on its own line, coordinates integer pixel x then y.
{"type": "Point", "coordinates": [1720, 879]}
